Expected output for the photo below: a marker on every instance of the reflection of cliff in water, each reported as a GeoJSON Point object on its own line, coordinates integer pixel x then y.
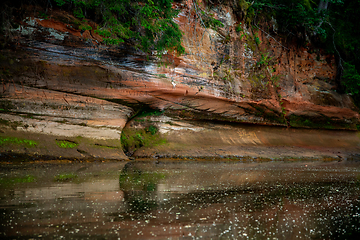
{"type": "Point", "coordinates": [243, 200]}
{"type": "Point", "coordinates": [187, 199]}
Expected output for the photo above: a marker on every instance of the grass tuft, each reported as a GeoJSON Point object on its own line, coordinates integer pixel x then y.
{"type": "Point", "coordinates": [66, 144]}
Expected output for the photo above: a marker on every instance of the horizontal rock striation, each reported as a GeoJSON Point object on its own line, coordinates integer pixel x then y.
{"type": "Point", "coordinates": [61, 82]}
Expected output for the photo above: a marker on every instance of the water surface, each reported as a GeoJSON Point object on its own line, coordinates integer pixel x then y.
{"type": "Point", "coordinates": [181, 200]}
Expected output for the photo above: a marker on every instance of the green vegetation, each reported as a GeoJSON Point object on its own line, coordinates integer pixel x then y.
{"type": "Point", "coordinates": [210, 22]}
{"type": "Point", "coordinates": [66, 177]}
{"type": "Point", "coordinates": [299, 121]}
{"type": "Point", "coordinates": [291, 15]}
{"type": "Point", "coordinates": [14, 180]}
{"type": "Point", "coordinates": [135, 138]}
{"type": "Point", "coordinates": [269, 114]}
{"type": "Point", "coordinates": [352, 80]}
{"type": "Point", "coordinates": [84, 26]}
{"type": "Point", "coordinates": [152, 129]}
{"type": "Point", "coordinates": [17, 141]}
{"type": "Point", "coordinates": [265, 60]}
{"type": "Point", "coordinates": [318, 122]}
{"type": "Point", "coordinates": [66, 144]}
{"type": "Point", "coordinates": [161, 75]}
{"type": "Point", "coordinates": [149, 112]}
{"type": "Point", "coordinates": [148, 24]}
{"type": "Point", "coordinates": [331, 24]}
{"type": "Point", "coordinates": [105, 146]}
{"type": "Point", "coordinates": [239, 28]}
{"type": "Point", "coordinates": [43, 15]}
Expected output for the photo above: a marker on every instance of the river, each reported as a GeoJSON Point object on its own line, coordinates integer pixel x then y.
{"type": "Point", "coordinates": [173, 199]}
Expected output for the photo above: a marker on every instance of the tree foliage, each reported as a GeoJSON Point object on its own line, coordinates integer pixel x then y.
{"type": "Point", "coordinates": [331, 24]}
{"type": "Point", "coordinates": [147, 23]}
{"type": "Point", "coordinates": [292, 16]}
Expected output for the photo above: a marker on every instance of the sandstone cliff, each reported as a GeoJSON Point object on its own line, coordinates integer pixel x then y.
{"type": "Point", "coordinates": [62, 84]}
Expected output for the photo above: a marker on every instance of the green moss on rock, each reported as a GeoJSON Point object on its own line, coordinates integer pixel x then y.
{"type": "Point", "coordinates": [66, 144]}
{"type": "Point", "coordinates": [135, 138]}
{"type": "Point", "coordinates": [17, 141]}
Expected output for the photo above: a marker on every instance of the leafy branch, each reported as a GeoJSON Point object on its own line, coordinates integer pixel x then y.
{"type": "Point", "coordinates": [148, 24]}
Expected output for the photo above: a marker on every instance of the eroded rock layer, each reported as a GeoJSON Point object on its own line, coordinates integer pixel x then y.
{"type": "Point", "coordinates": [61, 82]}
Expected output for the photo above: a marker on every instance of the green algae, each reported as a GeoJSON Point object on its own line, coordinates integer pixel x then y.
{"type": "Point", "coordinates": [65, 177]}
{"type": "Point", "coordinates": [17, 141]}
{"type": "Point", "coordinates": [66, 144]}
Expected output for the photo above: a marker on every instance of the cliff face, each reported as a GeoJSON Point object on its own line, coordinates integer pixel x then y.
{"type": "Point", "coordinates": [280, 82]}
{"type": "Point", "coordinates": [72, 86]}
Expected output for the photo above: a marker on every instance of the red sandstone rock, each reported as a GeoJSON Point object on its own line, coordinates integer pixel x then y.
{"type": "Point", "coordinates": [224, 75]}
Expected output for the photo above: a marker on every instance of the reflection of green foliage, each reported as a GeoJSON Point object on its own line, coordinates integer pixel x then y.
{"type": "Point", "coordinates": [17, 141]}
{"type": "Point", "coordinates": [13, 180]}
{"type": "Point", "coordinates": [135, 179]}
{"type": "Point", "coordinates": [140, 204]}
{"type": "Point", "coordinates": [66, 144]}
{"type": "Point", "coordinates": [65, 177]}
